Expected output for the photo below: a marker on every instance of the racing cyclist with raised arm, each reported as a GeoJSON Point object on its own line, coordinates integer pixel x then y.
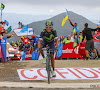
{"type": "Point", "coordinates": [48, 37]}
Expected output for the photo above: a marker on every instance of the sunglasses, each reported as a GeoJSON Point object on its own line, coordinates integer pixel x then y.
{"type": "Point", "coordinates": [48, 27]}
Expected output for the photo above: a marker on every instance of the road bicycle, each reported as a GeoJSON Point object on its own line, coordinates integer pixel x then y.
{"type": "Point", "coordinates": [48, 62]}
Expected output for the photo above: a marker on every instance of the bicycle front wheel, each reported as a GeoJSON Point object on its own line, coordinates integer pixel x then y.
{"type": "Point", "coordinates": [48, 68]}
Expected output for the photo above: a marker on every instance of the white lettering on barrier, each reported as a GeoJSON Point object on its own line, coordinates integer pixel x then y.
{"type": "Point", "coordinates": [76, 49]}
{"type": "Point", "coordinates": [3, 41]}
{"type": "Point", "coordinates": [28, 55]}
{"type": "Point", "coordinates": [61, 73]}
{"type": "Point", "coordinates": [71, 50]}
{"type": "Point", "coordinates": [67, 50]}
{"type": "Point", "coordinates": [82, 47]}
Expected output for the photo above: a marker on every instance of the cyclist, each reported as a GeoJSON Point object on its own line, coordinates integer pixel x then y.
{"type": "Point", "coordinates": [47, 37]}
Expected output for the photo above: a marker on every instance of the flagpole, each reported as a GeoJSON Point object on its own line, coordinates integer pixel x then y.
{"type": "Point", "coordinates": [27, 32]}
{"type": "Point", "coordinates": [1, 14]}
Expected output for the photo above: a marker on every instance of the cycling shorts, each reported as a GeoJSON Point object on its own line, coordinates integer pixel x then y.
{"type": "Point", "coordinates": [50, 44]}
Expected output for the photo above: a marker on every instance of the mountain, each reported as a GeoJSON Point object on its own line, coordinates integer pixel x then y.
{"type": "Point", "coordinates": [67, 28]}
{"type": "Point", "coordinates": [57, 20]}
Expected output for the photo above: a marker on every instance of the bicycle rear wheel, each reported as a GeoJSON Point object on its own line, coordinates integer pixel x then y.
{"type": "Point", "coordinates": [48, 68]}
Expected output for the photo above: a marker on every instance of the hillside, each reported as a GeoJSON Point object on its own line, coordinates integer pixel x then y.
{"type": "Point", "coordinates": [57, 20]}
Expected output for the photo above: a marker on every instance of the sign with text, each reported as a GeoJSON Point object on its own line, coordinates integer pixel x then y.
{"type": "Point", "coordinates": [19, 32]}
{"type": "Point", "coordinates": [68, 51]}
{"type": "Point", "coordinates": [61, 73]}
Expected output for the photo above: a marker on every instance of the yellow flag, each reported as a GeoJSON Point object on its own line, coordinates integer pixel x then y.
{"type": "Point", "coordinates": [64, 20]}
{"type": "Point", "coordinates": [66, 17]}
{"type": "Point", "coordinates": [7, 47]}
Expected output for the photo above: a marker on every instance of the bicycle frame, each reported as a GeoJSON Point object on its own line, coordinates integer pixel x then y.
{"type": "Point", "coordinates": [48, 63]}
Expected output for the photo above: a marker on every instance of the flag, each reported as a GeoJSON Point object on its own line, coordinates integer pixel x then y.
{"type": "Point", "coordinates": [66, 11]}
{"type": "Point", "coordinates": [7, 23]}
{"type": "Point", "coordinates": [59, 52]}
{"type": "Point", "coordinates": [74, 44]}
{"type": "Point", "coordinates": [2, 6]}
{"type": "Point", "coordinates": [64, 20]}
{"type": "Point", "coordinates": [9, 29]}
{"type": "Point", "coordinates": [24, 29]}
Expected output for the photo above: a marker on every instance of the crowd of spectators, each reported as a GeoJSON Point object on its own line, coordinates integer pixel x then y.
{"type": "Point", "coordinates": [26, 43]}
{"type": "Point", "coordinates": [75, 36]}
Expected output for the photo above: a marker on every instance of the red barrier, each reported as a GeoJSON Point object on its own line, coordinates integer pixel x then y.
{"type": "Point", "coordinates": [70, 52]}
{"type": "Point", "coordinates": [28, 56]}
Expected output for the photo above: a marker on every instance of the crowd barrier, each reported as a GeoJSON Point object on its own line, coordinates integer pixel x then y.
{"type": "Point", "coordinates": [68, 51]}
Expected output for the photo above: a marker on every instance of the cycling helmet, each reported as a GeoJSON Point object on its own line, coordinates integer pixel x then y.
{"type": "Point", "coordinates": [49, 23]}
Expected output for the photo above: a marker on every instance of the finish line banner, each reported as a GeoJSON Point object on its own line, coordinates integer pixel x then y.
{"type": "Point", "coordinates": [61, 73]}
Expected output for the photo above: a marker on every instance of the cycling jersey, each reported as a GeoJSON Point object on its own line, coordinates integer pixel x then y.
{"type": "Point", "coordinates": [48, 36]}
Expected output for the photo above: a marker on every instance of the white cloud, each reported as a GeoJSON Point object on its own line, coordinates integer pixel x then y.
{"type": "Point", "coordinates": [54, 7]}
{"type": "Point", "coordinates": [51, 11]}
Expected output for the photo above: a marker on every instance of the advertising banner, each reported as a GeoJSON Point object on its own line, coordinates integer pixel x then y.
{"type": "Point", "coordinates": [61, 73]}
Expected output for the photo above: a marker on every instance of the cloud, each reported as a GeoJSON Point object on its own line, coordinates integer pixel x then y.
{"type": "Point", "coordinates": [51, 6]}
{"type": "Point", "coordinates": [51, 11]}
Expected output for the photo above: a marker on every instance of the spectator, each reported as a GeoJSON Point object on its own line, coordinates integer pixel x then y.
{"type": "Point", "coordinates": [61, 39]}
{"type": "Point", "coordinates": [69, 38]}
{"type": "Point", "coordinates": [93, 33]}
{"type": "Point", "coordinates": [72, 37]}
{"type": "Point", "coordinates": [12, 43]}
{"type": "Point", "coordinates": [90, 43]}
{"type": "Point", "coordinates": [75, 29]}
{"type": "Point", "coordinates": [66, 39]}
{"type": "Point", "coordinates": [2, 24]}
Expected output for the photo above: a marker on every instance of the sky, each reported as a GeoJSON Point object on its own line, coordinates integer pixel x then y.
{"type": "Point", "coordinates": [87, 8]}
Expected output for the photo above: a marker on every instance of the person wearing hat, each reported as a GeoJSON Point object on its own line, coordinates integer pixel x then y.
{"type": "Point", "coordinates": [48, 37]}
{"type": "Point", "coordinates": [67, 39]}
{"type": "Point", "coordinates": [2, 24]}
{"type": "Point", "coordinates": [61, 39]}
{"type": "Point", "coordinates": [75, 29]}
{"type": "Point", "coordinates": [98, 28]}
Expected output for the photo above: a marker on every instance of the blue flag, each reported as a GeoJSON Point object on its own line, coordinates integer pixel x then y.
{"type": "Point", "coordinates": [35, 55]}
{"type": "Point", "coordinates": [24, 29]}
{"type": "Point", "coordinates": [7, 23]}
{"type": "Point", "coordinates": [59, 52]}
{"type": "Point", "coordinates": [23, 56]}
